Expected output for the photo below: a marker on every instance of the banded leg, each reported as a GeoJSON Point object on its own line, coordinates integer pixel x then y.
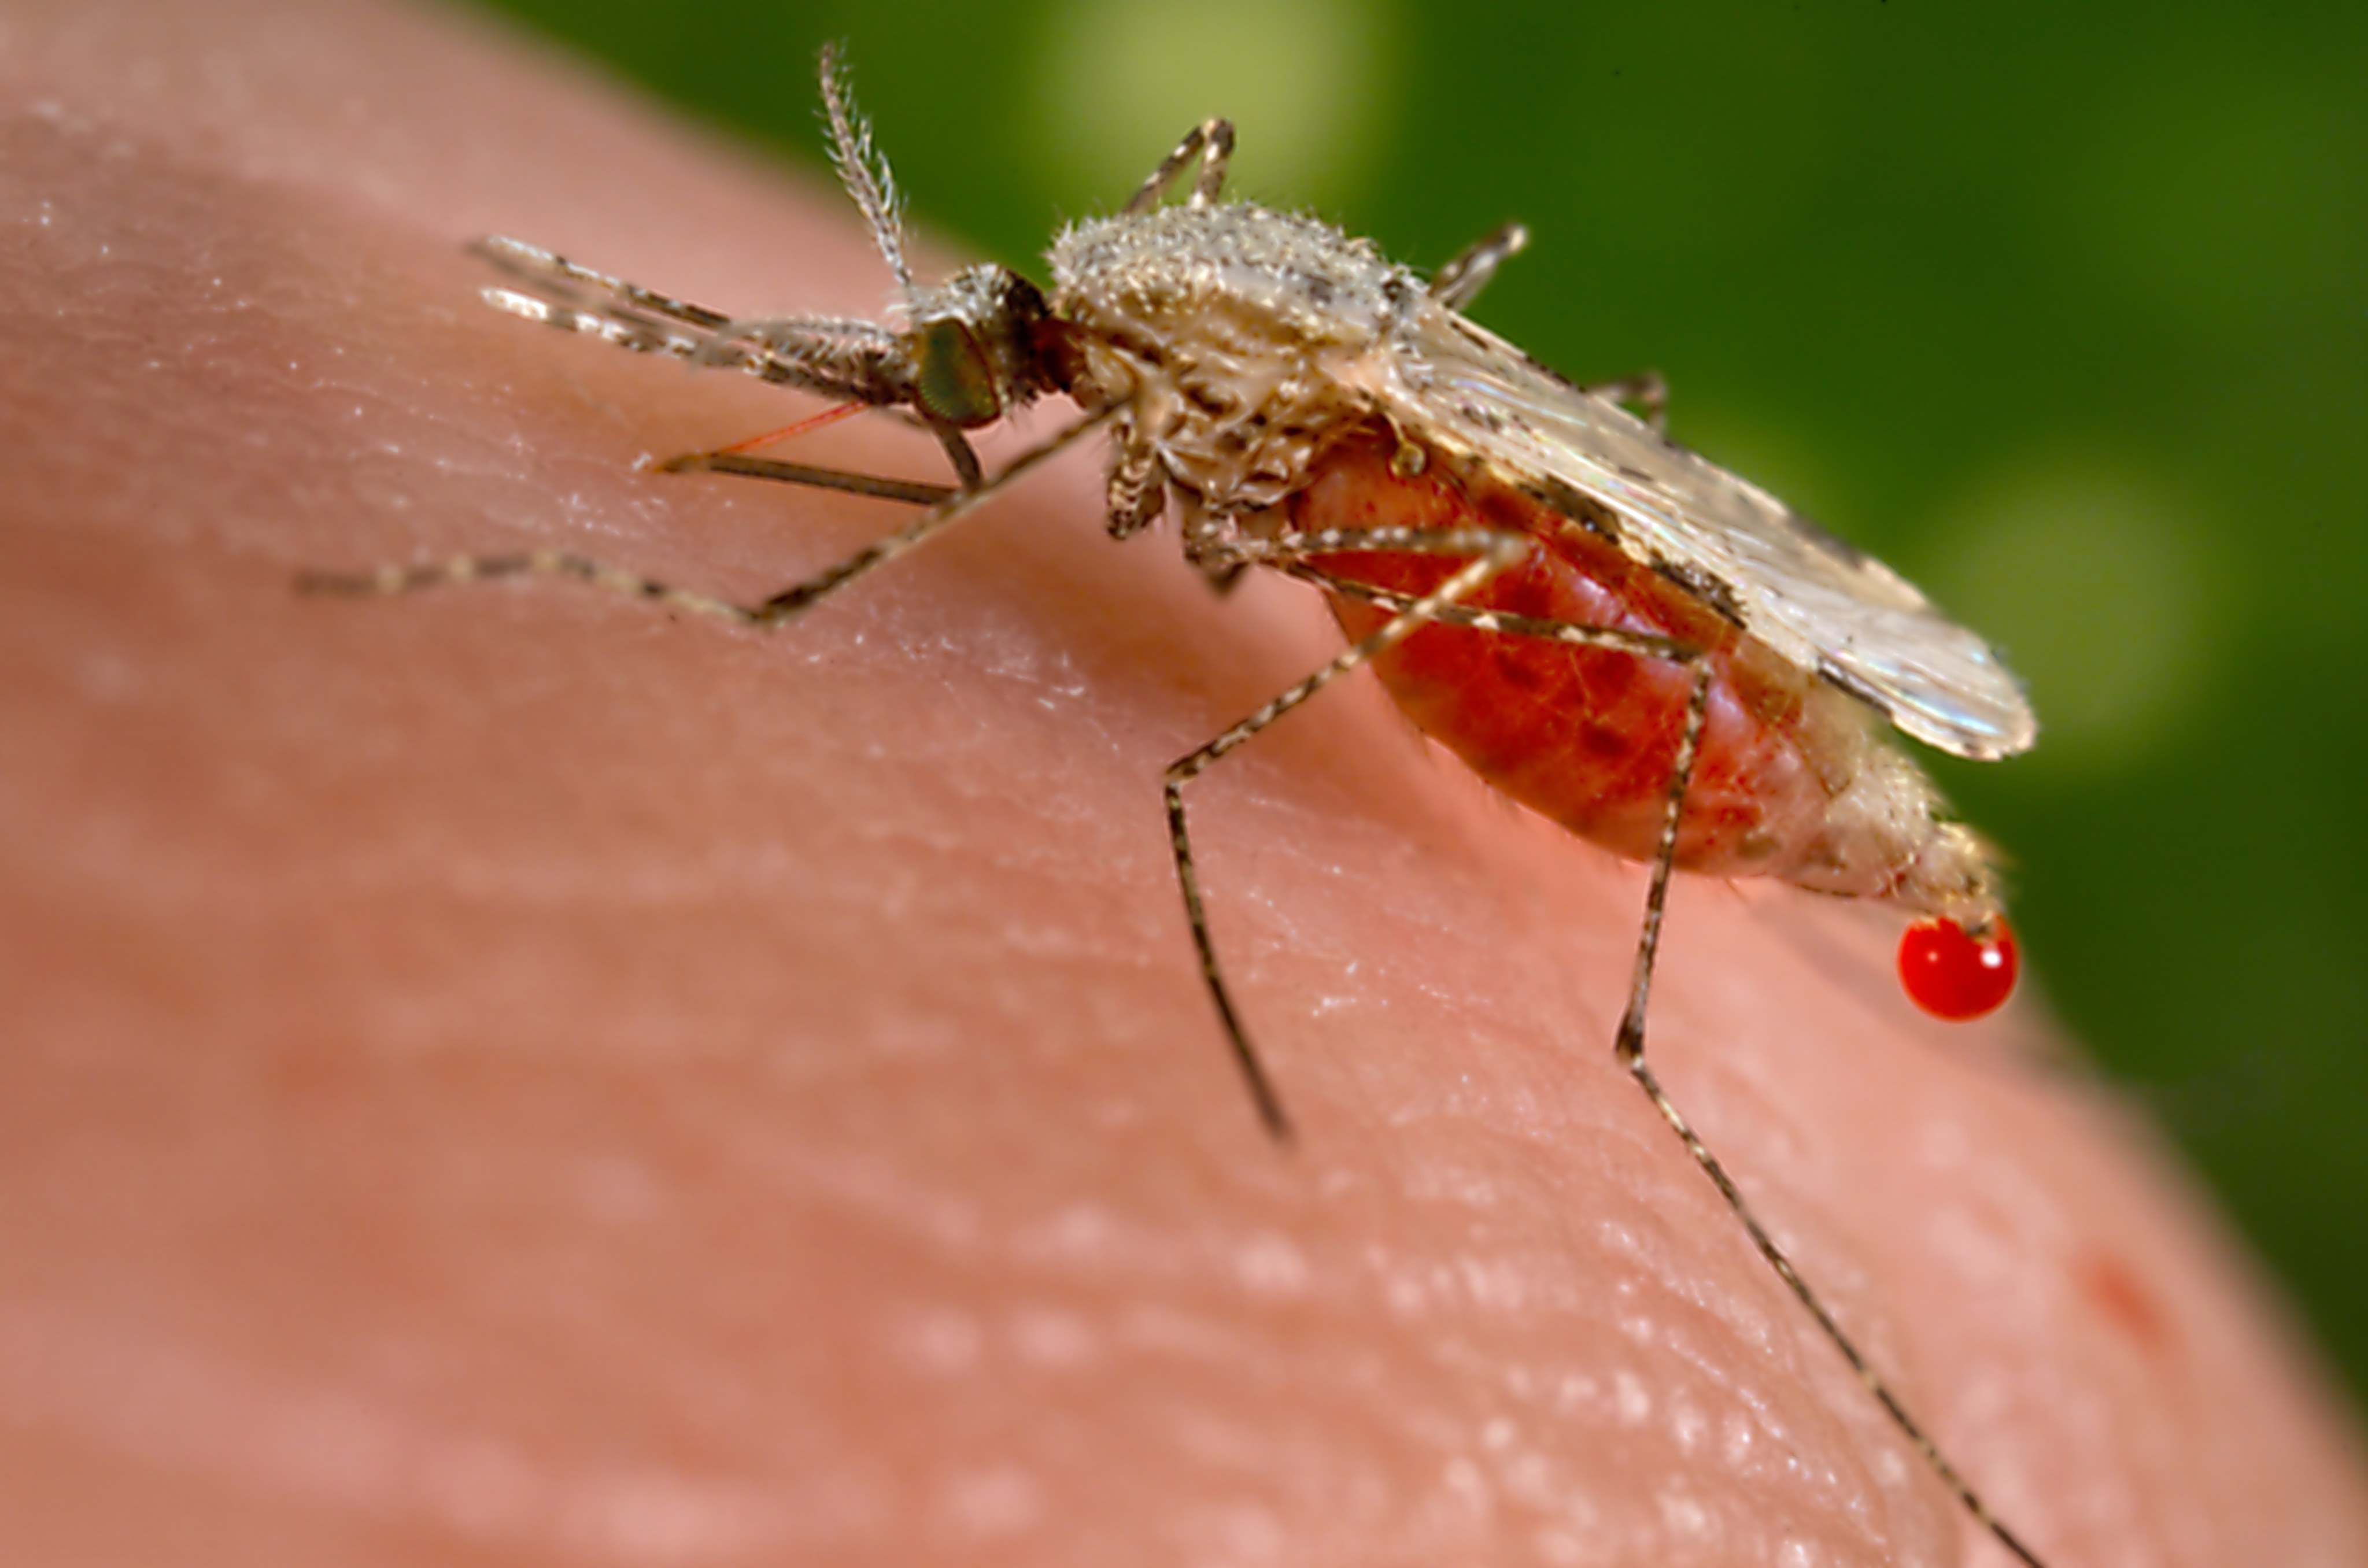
{"type": "Point", "coordinates": [1136, 490]}
{"type": "Point", "coordinates": [1630, 1047]}
{"type": "Point", "coordinates": [1495, 550]}
{"type": "Point", "coordinates": [1628, 1044]}
{"type": "Point", "coordinates": [1460, 280]}
{"type": "Point", "coordinates": [1209, 550]}
{"type": "Point", "coordinates": [1645, 389]}
{"type": "Point", "coordinates": [1504, 623]}
{"type": "Point", "coordinates": [1206, 535]}
{"type": "Point", "coordinates": [1212, 142]}
{"type": "Point", "coordinates": [765, 614]}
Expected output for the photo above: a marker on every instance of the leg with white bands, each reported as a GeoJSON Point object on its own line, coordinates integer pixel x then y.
{"type": "Point", "coordinates": [1460, 280]}
{"type": "Point", "coordinates": [763, 614]}
{"type": "Point", "coordinates": [1646, 390]}
{"type": "Point", "coordinates": [1496, 551]}
{"type": "Point", "coordinates": [1629, 1046]}
{"type": "Point", "coordinates": [1629, 1042]}
{"type": "Point", "coordinates": [1211, 141]}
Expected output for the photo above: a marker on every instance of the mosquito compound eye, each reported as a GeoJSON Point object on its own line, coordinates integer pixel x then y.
{"type": "Point", "coordinates": [1951, 973]}
{"type": "Point", "coordinates": [956, 382]}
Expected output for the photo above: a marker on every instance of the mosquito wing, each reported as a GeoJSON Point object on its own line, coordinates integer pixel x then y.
{"type": "Point", "coordinates": [1806, 594]}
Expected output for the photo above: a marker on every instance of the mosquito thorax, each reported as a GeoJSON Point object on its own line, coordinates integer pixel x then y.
{"type": "Point", "coordinates": [1228, 332]}
{"type": "Point", "coordinates": [973, 345]}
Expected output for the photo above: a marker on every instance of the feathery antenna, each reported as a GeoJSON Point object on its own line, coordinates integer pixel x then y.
{"type": "Point", "coordinates": [861, 167]}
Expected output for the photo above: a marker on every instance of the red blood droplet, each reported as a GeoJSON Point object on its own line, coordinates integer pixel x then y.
{"type": "Point", "coordinates": [1951, 973]}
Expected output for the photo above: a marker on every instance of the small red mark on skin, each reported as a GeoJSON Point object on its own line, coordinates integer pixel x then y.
{"type": "Point", "coordinates": [2122, 1299]}
{"type": "Point", "coordinates": [1951, 973]}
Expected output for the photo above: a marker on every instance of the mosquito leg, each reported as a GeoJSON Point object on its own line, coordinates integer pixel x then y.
{"type": "Point", "coordinates": [1460, 280]}
{"type": "Point", "coordinates": [1646, 389]}
{"type": "Point", "coordinates": [1630, 1044]}
{"type": "Point", "coordinates": [959, 453]}
{"type": "Point", "coordinates": [1212, 142]}
{"type": "Point", "coordinates": [1613, 639]}
{"type": "Point", "coordinates": [1213, 551]}
{"type": "Point", "coordinates": [1630, 1047]}
{"type": "Point", "coordinates": [1495, 551]}
{"type": "Point", "coordinates": [1206, 537]}
{"type": "Point", "coordinates": [763, 614]}
{"type": "Point", "coordinates": [1136, 490]}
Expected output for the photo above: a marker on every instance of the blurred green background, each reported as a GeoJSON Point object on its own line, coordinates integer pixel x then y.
{"type": "Point", "coordinates": [2062, 308]}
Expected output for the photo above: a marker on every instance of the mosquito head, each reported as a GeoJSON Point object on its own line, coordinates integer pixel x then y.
{"type": "Point", "coordinates": [977, 344]}
{"type": "Point", "coordinates": [974, 345]}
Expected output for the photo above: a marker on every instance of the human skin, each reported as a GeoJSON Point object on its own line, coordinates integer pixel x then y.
{"type": "Point", "coordinates": [508, 1074]}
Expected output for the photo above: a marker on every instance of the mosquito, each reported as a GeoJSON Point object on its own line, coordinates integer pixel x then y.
{"type": "Point", "coordinates": [1639, 645]}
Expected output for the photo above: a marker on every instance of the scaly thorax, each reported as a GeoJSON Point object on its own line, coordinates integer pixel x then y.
{"type": "Point", "coordinates": [1228, 333]}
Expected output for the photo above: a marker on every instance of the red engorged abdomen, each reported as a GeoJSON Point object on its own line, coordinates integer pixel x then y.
{"type": "Point", "coordinates": [1585, 736]}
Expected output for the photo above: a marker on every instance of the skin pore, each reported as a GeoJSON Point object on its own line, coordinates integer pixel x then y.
{"type": "Point", "coordinates": [509, 1075]}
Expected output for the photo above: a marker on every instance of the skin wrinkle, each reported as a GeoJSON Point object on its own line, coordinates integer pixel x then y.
{"type": "Point", "coordinates": [510, 1076]}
